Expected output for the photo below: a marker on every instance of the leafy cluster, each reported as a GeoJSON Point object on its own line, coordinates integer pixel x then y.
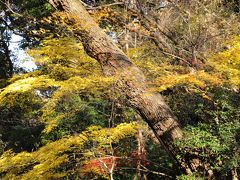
{"type": "Point", "coordinates": [65, 120]}
{"type": "Point", "coordinates": [56, 163]}
{"type": "Point", "coordinates": [205, 101]}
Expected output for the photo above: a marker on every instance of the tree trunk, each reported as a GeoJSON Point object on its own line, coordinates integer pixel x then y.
{"type": "Point", "coordinates": [6, 65]}
{"type": "Point", "coordinates": [141, 153]}
{"type": "Point", "coordinates": [131, 80]}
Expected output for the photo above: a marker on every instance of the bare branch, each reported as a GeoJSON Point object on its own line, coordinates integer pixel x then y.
{"type": "Point", "coordinates": [9, 8]}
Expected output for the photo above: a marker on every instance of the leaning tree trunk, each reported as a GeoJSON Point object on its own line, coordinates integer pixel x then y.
{"type": "Point", "coordinates": [131, 80]}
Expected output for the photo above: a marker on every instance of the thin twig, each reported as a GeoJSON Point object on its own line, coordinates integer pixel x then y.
{"type": "Point", "coordinates": [9, 7]}
{"type": "Point", "coordinates": [102, 6]}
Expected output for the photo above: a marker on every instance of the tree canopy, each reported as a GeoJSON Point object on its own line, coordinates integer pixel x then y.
{"type": "Point", "coordinates": [142, 89]}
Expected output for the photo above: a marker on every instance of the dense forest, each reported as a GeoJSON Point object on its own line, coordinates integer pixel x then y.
{"type": "Point", "coordinates": [120, 89]}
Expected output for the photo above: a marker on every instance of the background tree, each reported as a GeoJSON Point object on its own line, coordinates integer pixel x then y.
{"type": "Point", "coordinates": [67, 99]}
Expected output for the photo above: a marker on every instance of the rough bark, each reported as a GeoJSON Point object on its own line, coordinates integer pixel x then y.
{"type": "Point", "coordinates": [131, 80]}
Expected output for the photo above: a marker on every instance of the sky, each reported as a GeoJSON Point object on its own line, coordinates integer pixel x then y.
{"type": "Point", "coordinates": [22, 59]}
